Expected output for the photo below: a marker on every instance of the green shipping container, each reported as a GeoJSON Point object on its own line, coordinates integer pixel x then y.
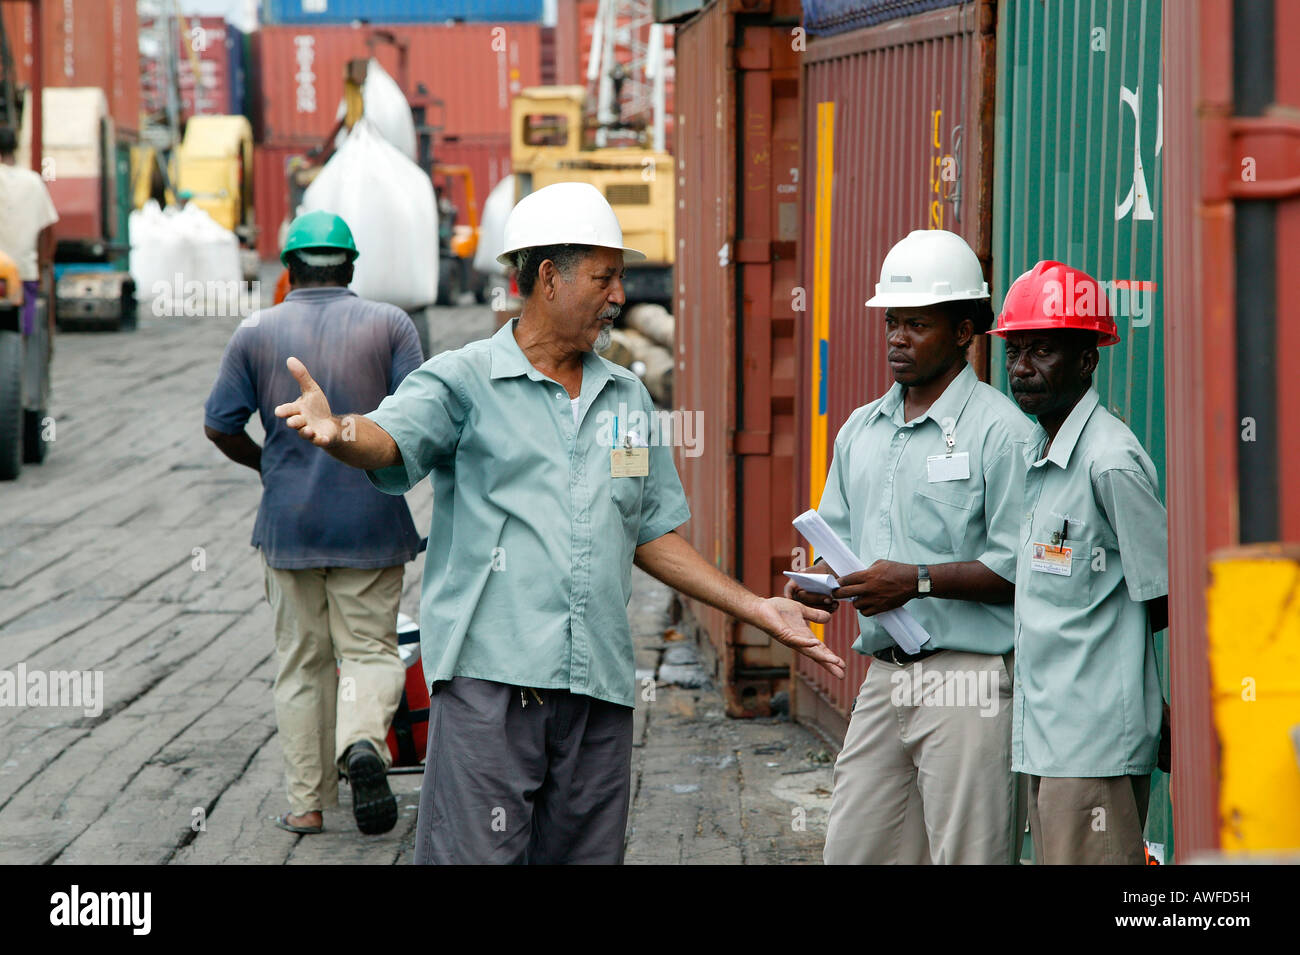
{"type": "Point", "coordinates": [1077, 178]}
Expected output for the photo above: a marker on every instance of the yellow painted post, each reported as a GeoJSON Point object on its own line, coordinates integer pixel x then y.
{"type": "Point", "coordinates": [1254, 646]}
{"type": "Point", "coordinates": [821, 310]}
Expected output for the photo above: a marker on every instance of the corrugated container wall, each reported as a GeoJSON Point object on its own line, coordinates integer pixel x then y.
{"type": "Point", "coordinates": [475, 69]}
{"type": "Point", "coordinates": [897, 135]}
{"type": "Point", "coordinates": [1078, 179]}
{"type": "Point", "coordinates": [737, 222]}
{"type": "Point", "coordinates": [1232, 230]}
{"type": "Point", "coordinates": [828, 17]}
{"type": "Point", "coordinates": [401, 11]}
{"type": "Point", "coordinates": [488, 158]}
{"type": "Point", "coordinates": [271, 198]}
{"type": "Point", "coordinates": [87, 43]}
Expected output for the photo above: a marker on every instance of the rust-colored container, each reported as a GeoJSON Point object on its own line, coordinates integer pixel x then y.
{"type": "Point", "coordinates": [1232, 251]}
{"type": "Point", "coordinates": [215, 48]}
{"type": "Point", "coordinates": [488, 158]}
{"type": "Point", "coordinates": [737, 224]}
{"type": "Point", "coordinates": [86, 43]}
{"type": "Point", "coordinates": [475, 69]}
{"type": "Point", "coordinates": [271, 200]}
{"type": "Point", "coordinates": [897, 135]}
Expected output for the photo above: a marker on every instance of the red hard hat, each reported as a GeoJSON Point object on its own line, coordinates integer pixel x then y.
{"type": "Point", "coordinates": [1054, 295]}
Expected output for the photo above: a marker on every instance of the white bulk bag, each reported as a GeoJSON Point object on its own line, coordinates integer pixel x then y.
{"type": "Point", "coordinates": [385, 105]}
{"type": "Point", "coordinates": [492, 230]}
{"type": "Point", "coordinates": [387, 202]}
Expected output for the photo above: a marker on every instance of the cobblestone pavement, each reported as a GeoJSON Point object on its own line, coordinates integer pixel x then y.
{"type": "Point", "coordinates": [127, 552]}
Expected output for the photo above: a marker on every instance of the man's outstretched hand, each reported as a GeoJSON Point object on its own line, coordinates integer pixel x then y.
{"type": "Point", "coordinates": [310, 415]}
{"type": "Point", "coordinates": [787, 621]}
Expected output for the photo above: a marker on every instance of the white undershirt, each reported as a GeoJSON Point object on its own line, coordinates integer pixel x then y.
{"type": "Point", "coordinates": [573, 403]}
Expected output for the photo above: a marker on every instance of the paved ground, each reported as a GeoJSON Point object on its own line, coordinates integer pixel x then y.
{"type": "Point", "coordinates": [127, 553]}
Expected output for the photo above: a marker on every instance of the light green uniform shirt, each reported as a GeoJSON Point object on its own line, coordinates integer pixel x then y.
{"type": "Point", "coordinates": [528, 570]}
{"type": "Point", "coordinates": [1087, 698]}
{"type": "Point", "coordinates": [880, 501]}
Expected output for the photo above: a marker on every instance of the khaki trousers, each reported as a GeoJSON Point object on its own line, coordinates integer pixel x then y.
{"type": "Point", "coordinates": [925, 772]}
{"type": "Point", "coordinates": [338, 677]}
{"type": "Point", "coordinates": [1090, 821]}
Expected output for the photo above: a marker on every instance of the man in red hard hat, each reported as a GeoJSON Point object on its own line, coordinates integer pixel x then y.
{"type": "Point", "coordinates": [1092, 582]}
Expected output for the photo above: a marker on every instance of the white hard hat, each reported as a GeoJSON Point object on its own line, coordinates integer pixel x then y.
{"type": "Point", "coordinates": [929, 266]}
{"type": "Point", "coordinates": [565, 213]}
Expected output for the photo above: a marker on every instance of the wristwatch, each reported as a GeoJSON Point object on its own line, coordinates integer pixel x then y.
{"type": "Point", "coordinates": [922, 580]}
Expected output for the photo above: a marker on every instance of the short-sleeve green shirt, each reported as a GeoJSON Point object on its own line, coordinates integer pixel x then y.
{"type": "Point", "coordinates": [528, 570]}
{"type": "Point", "coordinates": [881, 502]}
{"type": "Point", "coordinates": [1087, 696]}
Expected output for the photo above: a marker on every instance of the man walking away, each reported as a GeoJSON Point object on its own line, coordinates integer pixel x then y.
{"type": "Point", "coordinates": [922, 487]}
{"type": "Point", "coordinates": [1092, 582]}
{"type": "Point", "coordinates": [332, 546]}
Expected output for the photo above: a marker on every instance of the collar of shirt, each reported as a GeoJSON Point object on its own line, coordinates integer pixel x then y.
{"type": "Point", "coordinates": [1066, 439]}
{"type": "Point", "coordinates": [948, 405]}
{"type": "Point", "coordinates": [507, 360]}
{"type": "Point", "coordinates": [319, 294]}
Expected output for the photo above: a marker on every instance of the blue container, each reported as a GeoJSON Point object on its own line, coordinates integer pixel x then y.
{"type": "Point", "coordinates": [236, 74]}
{"type": "Point", "coordinates": [401, 11]}
{"type": "Point", "coordinates": [828, 17]}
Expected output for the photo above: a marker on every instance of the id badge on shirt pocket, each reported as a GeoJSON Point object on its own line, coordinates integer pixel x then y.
{"type": "Point", "coordinates": [629, 462]}
{"type": "Point", "coordinates": [947, 467]}
{"type": "Point", "coordinates": [1050, 559]}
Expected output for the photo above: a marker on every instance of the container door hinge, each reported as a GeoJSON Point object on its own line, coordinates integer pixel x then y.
{"type": "Point", "coordinates": [1266, 157]}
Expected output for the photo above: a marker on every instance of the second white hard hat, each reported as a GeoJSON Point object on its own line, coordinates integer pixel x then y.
{"type": "Point", "coordinates": [929, 266]}
{"type": "Point", "coordinates": [564, 213]}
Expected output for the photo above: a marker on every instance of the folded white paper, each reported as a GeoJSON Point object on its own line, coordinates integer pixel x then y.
{"type": "Point", "coordinates": [815, 583]}
{"type": "Point", "coordinates": [902, 627]}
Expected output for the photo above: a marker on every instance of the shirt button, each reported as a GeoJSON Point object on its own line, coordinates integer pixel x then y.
{"type": "Point", "coordinates": [558, 395]}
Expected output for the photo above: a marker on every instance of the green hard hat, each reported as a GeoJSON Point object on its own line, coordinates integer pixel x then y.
{"type": "Point", "coordinates": [318, 230]}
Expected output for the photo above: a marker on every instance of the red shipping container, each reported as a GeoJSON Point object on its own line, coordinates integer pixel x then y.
{"type": "Point", "coordinates": [488, 159]}
{"type": "Point", "coordinates": [475, 69]}
{"type": "Point", "coordinates": [737, 225]}
{"type": "Point", "coordinates": [271, 197]}
{"type": "Point", "coordinates": [198, 39]}
{"type": "Point", "coordinates": [86, 43]}
{"type": "Point", "coordinates": [878, 108]}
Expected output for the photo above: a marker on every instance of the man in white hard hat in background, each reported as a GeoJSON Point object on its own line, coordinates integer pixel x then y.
{"type": "Point", "coordinates": [923, 487]}
{"type": "Point", "coordinates": [542, 504]}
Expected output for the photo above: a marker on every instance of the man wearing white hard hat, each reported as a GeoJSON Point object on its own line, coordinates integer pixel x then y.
{"type": "Point", "coordinates": [540, 510]}
{"type": "Point", "coordinates": [923, 487]}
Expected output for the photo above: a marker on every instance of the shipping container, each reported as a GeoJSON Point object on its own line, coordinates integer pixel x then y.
{"type": "Point", "coordinates": [1078, 178]}
{"type": "Point", "coordinates": [897, 135]}
{"type": "Point", "coordinates": [216, 50]}
{"type": "Point", "coordinates": [488, 158]}
{"type": "Point", "coordinates": [474, 69]}
{"type": "Point", "coordinates": [92, 43]}
{"type": "Point", "coordinates": [828, 17]}
{"type": "Point", "coordinates": [271, 197]}
{"type": "Point", "coordinates": [401, 11]}
{"type": "Point", "coordinates": [1231, 220]}
{"type": "Point", "coordinates": [737, 225]}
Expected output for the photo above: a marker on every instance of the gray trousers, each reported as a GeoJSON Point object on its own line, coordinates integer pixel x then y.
{"type": "Point", "coordinates": [521, 776]}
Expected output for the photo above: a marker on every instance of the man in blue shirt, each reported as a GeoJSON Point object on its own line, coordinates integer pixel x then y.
{"type": "Point", "coordinates": [550, 481]}
{"type": "Point", "coordinates": [333, 546]}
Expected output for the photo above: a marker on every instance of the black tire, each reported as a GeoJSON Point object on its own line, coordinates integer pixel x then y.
{"type": "Point", "coordinates": [11, 405]}
{"type": "Point", "coordinates": [130, 309]}
{"type": "Point", "coordinates": [34, 443]}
